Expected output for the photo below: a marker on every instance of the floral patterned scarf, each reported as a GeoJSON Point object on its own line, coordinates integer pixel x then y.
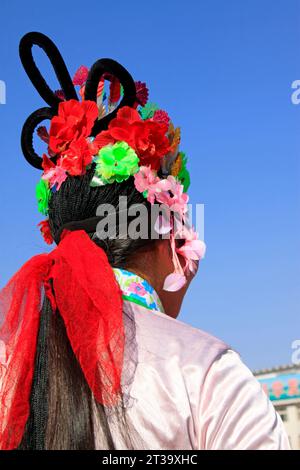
{"type": "Point", "coordinates": [138, 290]}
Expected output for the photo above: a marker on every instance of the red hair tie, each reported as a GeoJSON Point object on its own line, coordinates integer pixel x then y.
{"type": "Point", "coordinates": [80, 283]}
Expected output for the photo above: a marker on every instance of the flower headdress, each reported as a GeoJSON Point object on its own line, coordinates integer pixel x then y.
{"type": "Point", "coordinates": [134, 138]}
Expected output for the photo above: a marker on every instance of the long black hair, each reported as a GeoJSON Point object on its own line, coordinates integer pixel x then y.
{"type": "Point", "coordinates": [62, 405]}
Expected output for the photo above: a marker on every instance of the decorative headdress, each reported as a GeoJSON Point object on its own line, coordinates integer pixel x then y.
{"type": "Point", "coordinates": [135, 139]}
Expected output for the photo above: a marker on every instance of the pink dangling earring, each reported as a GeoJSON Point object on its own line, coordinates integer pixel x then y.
{"type": "Point", "coordinates": [177, 279]}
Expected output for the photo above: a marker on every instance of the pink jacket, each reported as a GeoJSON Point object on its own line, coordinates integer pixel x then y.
{"type": "Point", "coordinates": [186, 389]}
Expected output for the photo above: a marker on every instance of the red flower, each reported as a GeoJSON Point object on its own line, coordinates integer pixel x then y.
{"type": "Point", "coordinates": [43, 134]}
{"type": "Point", "coordinates": [103, 139]}
{"type": "Point", "coordinates": [161, 116]}
{"type": "Point", "coordinates": [150, 142]}
{"type": "Point", "coordinates": [75, 120]}
{"type": "Point", "coordinates": [60, 94]}
{"type": "Point", "coordinates": [77, 157]}
{"type": "Point", "coordinates": [142, 93]}
{"type": "Point", "coordinates": [47, 163]}
{"type": "Point", "coordinates": [81, 75]}
{"type": "Point", "coordinates": [148, 138]}
{"type": "Point", "coordinates": [45, 231]}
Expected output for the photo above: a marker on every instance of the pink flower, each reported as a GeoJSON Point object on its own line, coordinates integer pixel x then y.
{"type": "Point", "coordinates": [174, 281]}
{"type": "Point", "coordinates": [174, 197]}
{"type": "Point", "coordinates": [160, 191]}
{"type": "Point", "coordinates": [136, 288]}
{"type": "Point", "coordinates": [144, 178]}
{"type": "Point", "coordinates": [178, 201]}
{"type": "Point", "coordinates": [166, 191]}
{"type": "Point", "coordinates": [55, 174]}
{"type": "Point", "coordinates": [192, 250]}
{"type": "Point", "coordinates": [147, 180]}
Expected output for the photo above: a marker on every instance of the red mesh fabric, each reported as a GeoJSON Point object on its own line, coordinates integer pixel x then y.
{"type": "Point", "coordinates": [79, 281]}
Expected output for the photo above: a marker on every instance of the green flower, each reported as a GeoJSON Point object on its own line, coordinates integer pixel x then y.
{"type": "Point", "coordinates": [148, 110]}
{"type": "Point", "coordinates": [116, 162]}
{"type": "Point", "coordinates": [184, 175]}
{"type": "Point", "coordinates": [43, 195]}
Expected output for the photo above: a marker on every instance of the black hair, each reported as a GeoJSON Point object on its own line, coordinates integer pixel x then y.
{"type": "Point", "coordinates": [62, 404]}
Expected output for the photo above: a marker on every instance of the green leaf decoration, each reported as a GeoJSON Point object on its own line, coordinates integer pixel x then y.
{"type": "Point", "coordinates": [43, 194]}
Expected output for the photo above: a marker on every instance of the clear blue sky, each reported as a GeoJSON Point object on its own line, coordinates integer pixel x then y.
{"type": "Point", "coordinates": [223, 70]}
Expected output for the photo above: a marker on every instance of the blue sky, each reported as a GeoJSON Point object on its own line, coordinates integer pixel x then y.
{"type": "Point", "coordinates": [223, 70]}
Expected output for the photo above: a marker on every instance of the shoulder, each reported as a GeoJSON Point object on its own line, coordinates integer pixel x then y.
{"type": "Point", "coordinates": [221, 402]}
{"type": "Point", "coordinates": [235, 411]}
{"type": "Point", "coordinates": [167, 337]}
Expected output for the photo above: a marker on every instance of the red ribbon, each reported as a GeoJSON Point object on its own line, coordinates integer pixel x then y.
{"type": "Point", "coordinates": [80, 283]}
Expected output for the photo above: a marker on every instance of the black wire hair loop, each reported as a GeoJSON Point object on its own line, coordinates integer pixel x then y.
{"type": "Point", "coordinates": [100, 68]}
